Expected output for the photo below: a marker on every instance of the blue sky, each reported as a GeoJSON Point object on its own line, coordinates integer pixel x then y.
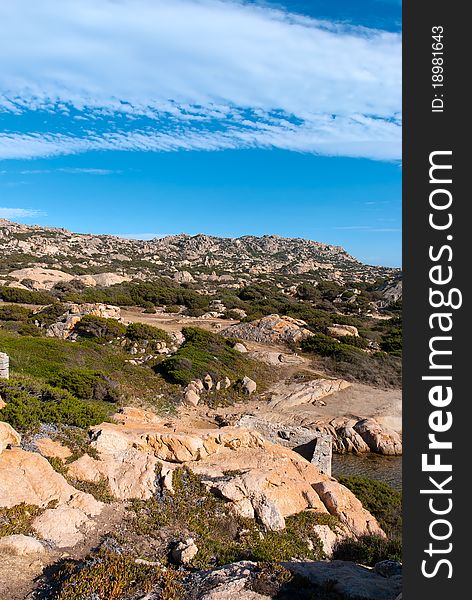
{"type": "Point", "coordinates": [152, 117]}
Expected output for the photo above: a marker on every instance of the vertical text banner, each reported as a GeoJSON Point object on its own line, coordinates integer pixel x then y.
{"type": "Point", "coordinates": [437, 322]}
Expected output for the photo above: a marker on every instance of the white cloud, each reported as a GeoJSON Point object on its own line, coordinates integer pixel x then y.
{"type": "Point", "coordinates": [18, 213]}
{"type": "Point", "coordinates": [207, 74]}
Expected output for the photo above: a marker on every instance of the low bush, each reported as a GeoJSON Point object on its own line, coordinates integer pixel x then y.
{"type": "Point", "coordinates": [392, 341]}
{"type": "Point", "coordinates": [113, 576]}
{"type": "Point", "coordinates": [369, 550]}
{"type": "Point", "coordinates": [29, 404]}
{"type": "Point", "coordinates": [18, 519]}
{"type": "Point", "coordinates": [12, 312]}
{"type": "Point", "coordinates": [49, 314]}
{"type": "Point", "coordinates": [87, 385]}
{"type": "Point", "coordinates": [201, 353]}
{"type": "Point", "coordinates": [12, 294]}
{"type": "Point", "coordinates": [99, 328]}
{"type": "Point", "coordinates": [142, 331]}
{"type": "Point", "coordinates": [380, 499]}
{"type": "Point", "coordinates": [321, 344]}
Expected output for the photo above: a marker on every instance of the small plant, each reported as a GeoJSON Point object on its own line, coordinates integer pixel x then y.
{"type": "Point", "coordinates": [13, 312]}
{"type": "Point", "coordinates": [99, 328]}
{"type": "Point", "coordinates": [369, 550]}
{"type": "Point", "coordinates": [111, 576]}
{"type": "Point", "coordinates": [18, 519]}
{"type": "Point", "coordinates": [141, 331]}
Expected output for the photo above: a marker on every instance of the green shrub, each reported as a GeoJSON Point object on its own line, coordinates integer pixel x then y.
{"type": "Point", "coordinates": [142, 331]}
{"type": "Point", "coordinates": [29, 404]}
{"type": "Point", "coordinates": [87, 385]}
{"type": "Point", "coordinates": [369, 550]}
{"type": "Point", "coordinates": [49, 314]}
{"type": "Point", "coordinates": [201, 353]}
{"type": "Point", "coordinates": [392, 341]}
{"type": "Point", "coordinates": [99, 328]}
{"type": "Point", "coordinates": [379, 499]}
{"type": "Point", "coordinates": [18, 519]}
{"type": "Point", "coordinates": [322, 344]}
{"type": "Point", "coordinates": [352, 340]}
{"type": "Point", "coordinates": [114, 576]}
{"type": "Point", "coordinates": [172, 308]}
{"type": "Point", "coordinates": [12, 294]}
{"type": "Point", "coordinates": [12, 312]}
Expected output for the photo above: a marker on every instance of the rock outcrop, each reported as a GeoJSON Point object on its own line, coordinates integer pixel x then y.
{"type": "Point", "coordinates": [343, 330]}
{"type": "Point", "coordinates": [64, 327]}
{"type": "Point", "coordinates": [273, 329]}
{"type": "Point", "coordinates": [8, 436]}
{"type": "Point", "coordinates": [260, 479]}
{"type": "Point", "coordinates": [27, 477]}
{"type": "Point", "coordinates": [309, 392]}
{"type": "Point", "coordinates": [21, 545]}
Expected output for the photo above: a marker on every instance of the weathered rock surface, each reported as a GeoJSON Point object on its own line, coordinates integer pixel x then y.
{"type": "Point", "coordinates": [342, 503]}
{"type": "Point", "coordinates": [64, 327]}
{"type": "Point", "coordinates": [51, 449]}
{"type": "Point", "coordinates": [230, 582]}
{"type": "Point", "coordinates": [64, 526]}
{"type": "Point", "coordinates": [185, 551]}
{"type": "Point", "coordinates": [308, 392]}
{"type": "Point", "coordinates": [21, 545]}
{"type": "Point", "coordinates": [8, 436]}
{"type": "Point", "coordinates": [27, 477]}
{"type": "Point", "coordinates": [236, 581]}
{"type": "Point", "coordinates": [347, 579]}
{"type": "Point", "coordinates": [378, 438]}
{"type": "Point", "coordinates": [276, 359]}
{"type": "Point", "coordinates": [240, 347]}
{"type": "Point", "coordinates": [249, 385]}
{"type": "Point", "coordinates": [343, 330]}
{"type": "Point", "coordinates": [262, 480]}
{"type": "Point", "coordinates": [270, 329]}
{"type": "Point", "coordinates": [129, 473]}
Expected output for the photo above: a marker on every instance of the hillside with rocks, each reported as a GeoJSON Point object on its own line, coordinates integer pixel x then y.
{"type": "Point", "coordinates": [169, 411]}
{"type": "Point", "coordinates": [105, 260]}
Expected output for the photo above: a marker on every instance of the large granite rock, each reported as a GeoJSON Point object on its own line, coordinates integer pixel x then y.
{"type": "Point", "coordinates": [27, 477]}
{"type": "Point", "coordinates": [270, 329]}
{"type": "Point", "coordinates": [8, 436]}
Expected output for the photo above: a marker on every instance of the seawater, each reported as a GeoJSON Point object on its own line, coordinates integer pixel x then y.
{"type": "Point", "coordinates": [374, 466]}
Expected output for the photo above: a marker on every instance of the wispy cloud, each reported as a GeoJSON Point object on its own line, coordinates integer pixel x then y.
{"type": "Point", "coordinates": [19, 213]}
{"type": "Point", "coordinates": [156, 75]}
{"type": "Point", "coordinates": [70, 170]}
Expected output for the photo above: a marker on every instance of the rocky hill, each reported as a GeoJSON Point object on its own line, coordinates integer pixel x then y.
{"type": "Point", "coordinates": [185, 258]}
